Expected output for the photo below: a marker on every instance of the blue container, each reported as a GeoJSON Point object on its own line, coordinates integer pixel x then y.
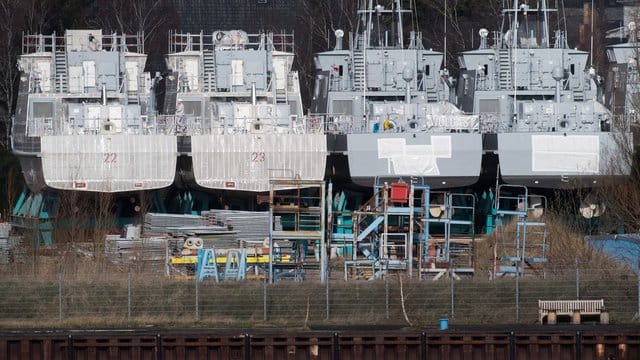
{"type": "Point", "coordinates": [444, 324]}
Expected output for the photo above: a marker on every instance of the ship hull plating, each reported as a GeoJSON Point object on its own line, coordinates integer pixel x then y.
{"type": "Point", "coordinates": [562, 160]}
{"type": "Point", "coordinates": [246, 162]}
{"type": "Point", "coordinates": [109, 163]}
{"type": "Point", "coordinates": [443, 160]}
{"type": "Point", "coordinates": [32, 170]}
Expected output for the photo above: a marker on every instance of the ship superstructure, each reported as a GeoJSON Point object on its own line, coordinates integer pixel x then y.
{"type": "Point", "coordinates": [236, 99]}
{"type": "Point", "coordinates": [540, 103]}
{"type": "Point", "coordinates": [384, 100]}
{"type": "Point", "coordinates": [85, 117]}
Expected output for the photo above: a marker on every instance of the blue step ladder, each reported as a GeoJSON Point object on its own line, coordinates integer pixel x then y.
{"type": "Point", "coordinates": [207, 267]}
{"type": "Point", "coordinates": [236, 266]}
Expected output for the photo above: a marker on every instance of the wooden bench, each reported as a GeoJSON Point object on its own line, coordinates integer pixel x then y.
{"type": "Point", "coordinates": [568, 307]}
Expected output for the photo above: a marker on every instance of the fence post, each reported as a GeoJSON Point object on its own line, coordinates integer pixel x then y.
{"type": "Point", "coordinates": [518, 293]}
{"type": "Point", "coordinates": [578, 345]}
{"type": "Point", "coordinates": [452, 281]}
{"type": "Point", "coordinates": [60, 292]}
{"type": "Point", "coordinates": [577, 279]}
{"type": "Point", "coordinates": [70, 352]}
{"type": "Point", "coordinates": [264, 299]}
{"type": "Point", "coordinates": [512, 346]}
{"type": "Point", "coordinates": [129, 292]}
{"type": "Point", "coordinates": [386, 296]}
{"type": "Point", "coordinates": [197, 299]}
{"type": "Point", "coordinates": [327, 298]}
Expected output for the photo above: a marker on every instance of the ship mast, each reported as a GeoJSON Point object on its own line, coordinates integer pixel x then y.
{"type": "Point", "coordinates": [545, 26]}
{"type": "Point", "coordinates": [400, 33]}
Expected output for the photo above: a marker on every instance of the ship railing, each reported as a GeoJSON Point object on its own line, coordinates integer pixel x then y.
{"type": "Point", "coordinates": [124, 42]}
{"type": "Point", "coordinates": [78, 84]}
{"type": "Point", "coordinates": [236, 40]}
{"type": "Point", "coordinates": [40, 43]}
{"type": "Point", "coordinates": [40, 126]}
{"type": "Point", "coordinates": [292, 82]}
{"type": "Point", "coordinates": [348, 124]}
{"type": "Point", "coordinates": [197, 125]}
{"type": "Point", "coordinates": [190, 83]}
{"type": "Point", "coordinates": [337, 123]}
{"type": "Point", "coordinates": [312, 124]}
{"type": "Point", "coordinates": [159, 125]}
{"type": "Point", "coordinates": [282, 41]}
{"type": "Point", "coordinates": [335, 83]}
{"type": "Point", "coordinates": [36, 43]}
{"type": "Point", "coordinates": [148, 125]}
{"type": "Point", "coordinates": [497, 39]}
{"type": "Point", "coordinates": [492, 123]}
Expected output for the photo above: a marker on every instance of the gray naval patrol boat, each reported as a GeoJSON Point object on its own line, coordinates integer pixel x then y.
{"type": "Point", "coordinates": [384, 101]}
{"type": "Point", "coordinates": [237, 107]}
{"type": "Point", "coordinates": [85, 115]}
{"type": "Point", "coordinates": [540, 104]}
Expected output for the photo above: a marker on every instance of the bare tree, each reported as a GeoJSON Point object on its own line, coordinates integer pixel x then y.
{"type": "Point", "coordinates": [10, 43]}
{"type": "Point", "coordinates": [148, 17]}
{"type": "Point", "coordinates": [463, 21]}
{"type": "Point", "coordinates": [622, 195]}
{"type": "Point", "coordinates": [104, 220]}
{"type": "Point", "coordinates": [37, 14]}
{"type": "Point", "coordinates": [129, 16]}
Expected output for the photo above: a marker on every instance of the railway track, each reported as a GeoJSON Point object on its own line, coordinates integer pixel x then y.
{"type": "Point", "coordinates": [480, 342]}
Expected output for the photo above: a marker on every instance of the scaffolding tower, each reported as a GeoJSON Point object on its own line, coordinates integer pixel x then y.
{"type": "Point", "coordinates": [521, 242]}
{"type": "Point", "coordinates": [385, 230]}
{"type": "Point", "coordinates": [450, 248]}
{"type": "Point", "coordinates": [297, 218]}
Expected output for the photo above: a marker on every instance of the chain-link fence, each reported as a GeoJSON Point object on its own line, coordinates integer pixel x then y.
{"type": "Point", "coordinates": [137, 297]}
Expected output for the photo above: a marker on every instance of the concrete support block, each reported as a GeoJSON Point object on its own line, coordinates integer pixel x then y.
{"type": "Point", "coordinates": [552, 317]}
{"type": "Point", "coordinates": [575, 318]}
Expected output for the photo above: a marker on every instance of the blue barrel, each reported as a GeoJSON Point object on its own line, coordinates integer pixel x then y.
{"type": "Point", "coordinates": [444, 324]}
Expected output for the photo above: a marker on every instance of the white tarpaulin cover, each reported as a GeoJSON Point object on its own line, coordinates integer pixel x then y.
{"type": "Point", "coordinates": [109, 163]}
{"type": "Point", "coordinates": [419, 160]}
{"type": "Point", "coordinates": [247, 161]}
{"type": "Point", "coordinates": [571, 153]}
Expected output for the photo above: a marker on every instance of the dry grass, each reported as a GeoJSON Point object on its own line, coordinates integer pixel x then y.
{"type": "Point", "coordinates": [566, 245]}
{"type": "Point", "coordinates": [95, 293]}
